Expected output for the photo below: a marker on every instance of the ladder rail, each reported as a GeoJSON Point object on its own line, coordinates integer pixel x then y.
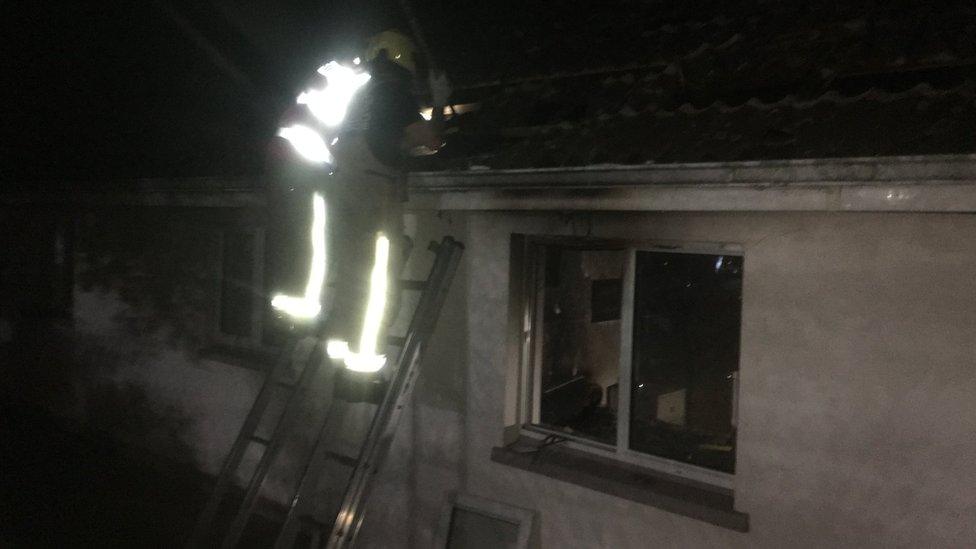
{"type": "Point", "coordinates": [224, 481]}
{"type": "Point", "coordinates": [272, 448]}
{"type": "Point", "coordinates": [383, 427]}
{"type": "Point", "coordinates": [289, 529]}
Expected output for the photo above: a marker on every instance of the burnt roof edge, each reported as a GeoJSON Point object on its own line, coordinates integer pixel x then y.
{"type": "Point", "coordinates": [822, 171]}
{"type": "Point", "coordinates": [903, 183]}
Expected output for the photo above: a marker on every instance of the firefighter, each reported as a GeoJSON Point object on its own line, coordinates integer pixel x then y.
{"type": "Point", "coordinates": [366, 190]}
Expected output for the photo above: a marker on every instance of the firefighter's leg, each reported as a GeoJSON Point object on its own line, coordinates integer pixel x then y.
{"type": "Point", "coordinates": [375, 213]}
{"type": "Point", "coordinates": [355, 292]}
{"type": "Point", "coordinates": [292, 256]}
{"type": "Point", "coordinates": [352, 243]}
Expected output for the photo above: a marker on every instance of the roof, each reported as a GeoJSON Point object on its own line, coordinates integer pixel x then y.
{"type": "Point", "coordinates": [656, 82]}
{"type": "Point", "coordinates": [629, 121]}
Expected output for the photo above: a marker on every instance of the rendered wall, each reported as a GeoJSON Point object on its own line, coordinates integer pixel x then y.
{"type": "Point", "coordinates": [124, 361]}
{"type": "Point", "coordinates": [856, 409]}
{"type": "Point", "coordinates": [856, 414]}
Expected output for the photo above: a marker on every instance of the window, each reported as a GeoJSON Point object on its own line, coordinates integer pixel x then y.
{"type": "Point", "coordinates": [634, 349]}
{"type": "Point", "coordinates": [470, 522]}
{"type": "Point", "coordinates": [241, 304]}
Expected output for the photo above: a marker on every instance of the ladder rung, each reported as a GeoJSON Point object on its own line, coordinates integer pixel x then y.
{"type": "Point", "coordinates": [418, 285]}
{"type": "Point", "coordinates": [342, 458]}
{"type": "Point", "coordinates": [259, 440]}
{"type": "Point", "coordinates": [396, 340]}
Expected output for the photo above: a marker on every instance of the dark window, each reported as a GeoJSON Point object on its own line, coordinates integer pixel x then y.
{"type": "Point", "coordinates": [237, 292]}
{"type": "Point", "coordinates": [687, 312]}
{"type": "Point", "coordinates": [605, 298]}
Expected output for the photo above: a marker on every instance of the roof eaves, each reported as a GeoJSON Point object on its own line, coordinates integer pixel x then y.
{"type": "Point", "coordinates": [928, 169]}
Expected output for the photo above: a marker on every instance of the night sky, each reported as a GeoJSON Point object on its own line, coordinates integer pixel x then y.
{"type": "Point", "coordinates": [102, 91]}
{"type": "Point", "coordinates": [97, 93]}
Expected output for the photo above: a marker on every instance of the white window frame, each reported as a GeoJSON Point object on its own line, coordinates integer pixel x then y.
{"type": "Point", "coordinates": [523, 519]}
{"type": "Point", "coordinates": [531, 351]}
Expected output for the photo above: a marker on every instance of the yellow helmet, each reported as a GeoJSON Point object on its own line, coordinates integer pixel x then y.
{"type": "Point", "coordinates": [399, 48]}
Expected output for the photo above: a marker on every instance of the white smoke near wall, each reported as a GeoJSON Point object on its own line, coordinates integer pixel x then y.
{"type": "Point", "coordinates": [203, 400]}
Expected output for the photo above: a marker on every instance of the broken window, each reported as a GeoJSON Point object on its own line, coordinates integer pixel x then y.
{"type": "Point", "coordinates": [635, 349]}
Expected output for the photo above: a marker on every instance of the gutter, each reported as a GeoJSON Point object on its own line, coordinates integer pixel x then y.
{"type": "Point", "coordinates": [905, 183]}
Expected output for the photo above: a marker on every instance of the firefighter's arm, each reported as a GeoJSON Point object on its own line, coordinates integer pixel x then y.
{"type": "Point", "coordinates": [429, 134]}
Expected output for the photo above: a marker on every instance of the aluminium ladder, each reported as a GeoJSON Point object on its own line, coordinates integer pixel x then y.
{"type": "Point", "coordinates": [292, 373]}
{"type": "Point", "coordinates": [349, 517]}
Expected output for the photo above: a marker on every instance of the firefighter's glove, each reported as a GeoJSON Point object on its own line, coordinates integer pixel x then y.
{"type": "Point", "coordinates": [440, 88]}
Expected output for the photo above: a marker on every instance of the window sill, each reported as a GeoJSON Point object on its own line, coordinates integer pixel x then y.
{"type": "Point", "coordinates": [260, 359]}
{"type": "Point", "coordinates": [623, 480]}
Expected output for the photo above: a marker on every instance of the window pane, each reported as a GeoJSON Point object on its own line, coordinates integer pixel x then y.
{"type": "Point", "coordinates": [687, 314]}
{"type": "Point", "coordinates": [580, 346]}
{"type": "Point", "coordinates": [605, 299]}
{"type": "Point", "coordinates": [237, 297]}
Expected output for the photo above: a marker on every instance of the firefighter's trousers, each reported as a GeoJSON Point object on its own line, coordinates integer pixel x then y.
{"type": "Point", "coordinates": [363, 201]}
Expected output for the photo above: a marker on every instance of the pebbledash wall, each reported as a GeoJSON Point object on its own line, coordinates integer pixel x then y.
{"type": "Point", "coordinates": [857, 364]}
